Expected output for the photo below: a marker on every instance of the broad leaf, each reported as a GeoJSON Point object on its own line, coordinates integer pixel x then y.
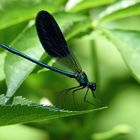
{"type": "Point", "coordinates": [24, 111]}
{"type": "Point", "coordinates": [66, 18]}
{"type": "Point", "coordinates": [119, 10]}
{"type": "Point", "coordinates": [13, 12]}
{"type": "Point", "coordinates": [78, 29]}
{"type": "Point", "coordinates": [86, 4]}
{"type": "Point", "coordinates": [128, 44]}
{"type": "Point", "coordinates": [17, 69]}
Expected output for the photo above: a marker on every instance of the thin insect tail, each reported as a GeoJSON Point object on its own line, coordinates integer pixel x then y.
{"type": "Point", "coordinates": [8, 48]}
{"type": "Point", "coordinates": [72, 75]}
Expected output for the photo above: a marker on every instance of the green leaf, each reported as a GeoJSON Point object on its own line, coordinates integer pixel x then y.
{"type": "Point", "coordinates": [78, 29]}
{"type": "Point", "coordinates": [2, 59]}
{"type": "Point", "coordinates": [15, 30]}
{"type": "Point", "coordinates": [86, 4]}
{"type": "Point", "coordinates": [65, 18]}
{"type": "Point", "coordinates": [13, 12]}
{"type": "Point", "coordinates": [17, 69]}
{"type": "Point", "coordinates": [24, 111]}
{"type": "Point", "coordinates": [119, 10]}
{"type": "Point", "coordinates": [128, 44]}
{"type": "Point", "coordinates": [73, 24]}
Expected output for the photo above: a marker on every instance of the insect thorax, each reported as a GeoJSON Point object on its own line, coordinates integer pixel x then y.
{"type": "Point", "coordinates": [81, 77]}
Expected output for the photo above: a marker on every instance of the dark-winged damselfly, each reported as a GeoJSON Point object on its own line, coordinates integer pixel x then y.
{"type": "Point", "coordinates": [55, 45]}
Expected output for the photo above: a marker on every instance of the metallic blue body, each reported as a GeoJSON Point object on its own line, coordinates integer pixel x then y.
{"type": "Point", "coordinates": [69, 74]}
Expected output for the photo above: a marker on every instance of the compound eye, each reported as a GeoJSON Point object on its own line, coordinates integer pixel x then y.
{"type": "Point", "coordinates": [93, 86]}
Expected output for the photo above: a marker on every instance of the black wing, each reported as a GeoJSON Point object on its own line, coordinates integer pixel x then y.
{"type": "Point", "coordinates": [53, 40]}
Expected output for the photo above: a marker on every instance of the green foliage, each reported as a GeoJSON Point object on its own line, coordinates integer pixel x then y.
{"type": "Point", "coordinates": [119, 10]}
{"type": "Point", "coordinates": [105, 36]}
{"type": "Point", "coordinates": [23, 111]}
{"type": "Point", "coordinates": [83, 5]}
{"type": "Point", "coordinates": [25, 11]}
{"type": "Point", "coordinates": [128, 48]}
{"type": "Point", "coordinates": [22, 44]}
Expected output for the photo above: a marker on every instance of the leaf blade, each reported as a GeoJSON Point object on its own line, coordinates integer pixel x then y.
{"type": "Point", "coordinates": [17, 69]}
{"type": "Point", "coordinates": [26, 12]}
{"type": "Point", "coordinates": [30, 112]}
{"type": "Point", "coordinates": [119, 10]}
{"type": "Point", "coordinates": [87, 4]}
{"type": "Point", "coordinates": [129, 49]}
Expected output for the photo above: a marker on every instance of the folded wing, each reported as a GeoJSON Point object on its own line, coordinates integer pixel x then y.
{"type": "Point", "coordinates": [54, 42]}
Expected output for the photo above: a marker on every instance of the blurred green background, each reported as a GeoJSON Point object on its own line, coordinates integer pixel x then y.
{"type": "Point", "coordinates": [84, 23]}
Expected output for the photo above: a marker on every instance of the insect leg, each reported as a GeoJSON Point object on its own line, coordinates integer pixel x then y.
{"type": "Point", "coordinates": [73, 93]}
{"type": "Point", "coordinates": [60, 100]}
{"type": "Point", "coordinates": [86, 97]}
